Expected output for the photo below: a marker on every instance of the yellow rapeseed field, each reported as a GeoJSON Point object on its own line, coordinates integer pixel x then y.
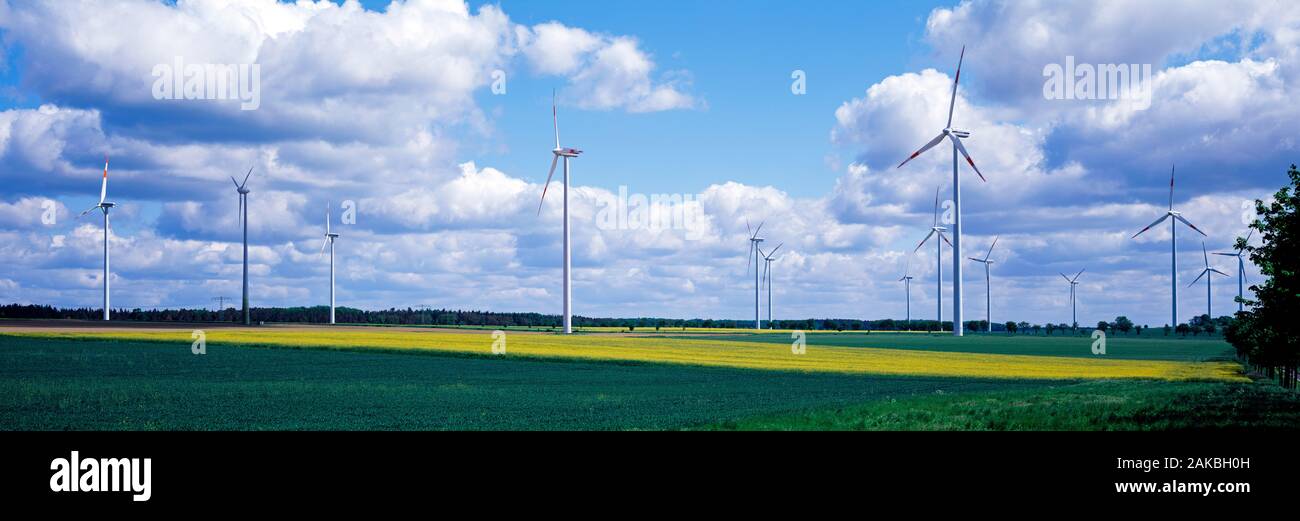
{"type": "Point", "coordinates": [700, 352]}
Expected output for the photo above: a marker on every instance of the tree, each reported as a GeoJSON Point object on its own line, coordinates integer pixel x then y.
{"type": "Point", "coordinates": [1183, 329]}
{"type": "Point", "coordinates": [1265, 334]}
{"type": "Point", "coordinates": [1123, 324]}
{"type": "Point", "coordinates": [1011, 327]}
{"type": "Point", "coordinates": [1102, 326]}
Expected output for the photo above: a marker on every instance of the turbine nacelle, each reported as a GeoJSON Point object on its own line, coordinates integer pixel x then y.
{"type": "Point", "coordinates": [959, 133]}
{"type": "Point", "coordinates": [566, 152]}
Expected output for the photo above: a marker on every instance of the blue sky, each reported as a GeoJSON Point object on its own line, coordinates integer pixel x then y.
{"type": "Point", "coordinates": [391, 107]}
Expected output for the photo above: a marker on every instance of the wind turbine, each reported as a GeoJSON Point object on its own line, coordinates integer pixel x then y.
{"type": "Point", "coordinates": [1241, 271]}
{"type": "Point", "coordinates": [908, 280]}
{"type": "Point", "coordinates": [1173, 243]}
{"type": "Point", "coordinates": [1208, 274]}
{"type": "Point", "coordinates": [988, 288]}
{"type": "Point", "coordinates": [935, 229]}
{"type": "Point", "coordinates": [754, 255]}
{"type": "Point", "coordinates": [329, 239]}
{"type": "Point", "coordinates": [1074, 314]}
{"type": "Point", "coordinates": [566, 153]}
{"type": "Point", "coordinates": [242, 218]}
{"type": "Point", "coordinates": [955, 136]}
{"type": "Point", "coordinates": [767, 276]}
{"type": "Point", "coordinates": [103, 206]}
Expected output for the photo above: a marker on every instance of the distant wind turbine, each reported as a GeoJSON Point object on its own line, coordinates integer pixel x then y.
{"type": "Point", "coordinates": [754, 255]}
{"type": "Point", "coordinates": [955, 136]}
{"type": "Point", "coordinates": [907, 279]}
{"type": "Point", "coordinates": [767, 276]}
{"type": "Point", "coordinates": [1241, 272]}
{"type": "Point", "coordinates": [988, 287]}
{"type": "Point", "coordinates": [935, 229]}
{"type": "Point", "coordinates": [104, 206]}
{"type": "Point", "coordinates": [1208, 272]}
{"type": "Point", "coordinates": [566, 153]}
{"type": "Point", "coordinates": [242, 218]}
{"type": "Point", "coordinates": [1074, 282]}
{"type": "Point", "coordinates": [329, 240]}
{"type": "Point", "coordinates": [1173, 244]}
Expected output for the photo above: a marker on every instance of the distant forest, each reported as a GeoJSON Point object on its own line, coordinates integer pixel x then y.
{"type": "Point", "coordinates": [447, 317]}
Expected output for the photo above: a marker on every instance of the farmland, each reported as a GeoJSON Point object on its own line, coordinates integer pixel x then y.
{"type": "Point", "coordinates": [75, 384]}
{"type": "Point", "coordinates": [140, 378]}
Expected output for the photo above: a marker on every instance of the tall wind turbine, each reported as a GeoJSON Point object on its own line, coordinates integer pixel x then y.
{"type": "Point", "coordinates": [242, 217]}
{"type": "Point", "coordinates": [1241, 271]}
{"type": "Point", "coordinates": [1173, 244]}
{"type": "Point", "coordinates": [955, 136]}
{"type": "Point", "coordinates": [767, 276]}
{"type": "Point", "coordinates": [988, 288]}
{"type": "Point", "coordinates": [1208, 272]}
{"type": "Point", "coordinates": [935, 229]}
{"type": "Point", "coordinates": [907, 279]}
{"type": "Point", "coordinates": [104, 206]}
{"type": "Point", "coordinates": [1074, 282]}
{"type": "Point", "coordinates": [329, 240]}
{"type": "Point", "coordinates": [566, 153]}
{"type": "Point", "coordinates": [754, 256]}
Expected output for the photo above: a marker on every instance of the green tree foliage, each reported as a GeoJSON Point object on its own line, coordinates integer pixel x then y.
{"type": "Point", "coordinates": [1266, 334]}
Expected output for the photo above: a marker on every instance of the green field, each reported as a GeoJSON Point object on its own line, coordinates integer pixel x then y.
{"type": "Point", "coordinates": [73, 384]}
{"type": "Point", "coordinates": [80, 382]}
{"type": "Point", "coordinates": [1154, 347]}
{"type": "Point", "coordinates": [1093, 406]}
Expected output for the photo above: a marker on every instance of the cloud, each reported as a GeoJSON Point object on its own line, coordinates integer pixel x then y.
{"type": "Point", "coordinates": [604, 72]}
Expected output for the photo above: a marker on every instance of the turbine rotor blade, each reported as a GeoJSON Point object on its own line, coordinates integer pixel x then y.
{"type": "Point", "coordinates": [773, 252]}
{"type": "Point", "coordinates": [923, 241]}
{"type": "Point", "coordinates": [1171, 186]}
{"type": "Point", "coordinates": [952, 103]}
{"type": "Point", "coordinates": [1198, 277]}
{"type": "Point", "coordinates": [927, 146]}
{"type": "Point", "coordinates": [1067, 279]}
{"type": "Point", "coordinates": [995, 243]}
{"type": "Point", "coordinates": [1189, 223]}
{"type": "Point", "coordinates": [87, 211]}
{"type": "Point", "coordinates": [1157, 221]}
{"type": "Point", "coordinates": [232, 179]}
{"type": "Point", "coordinates": [555, 120]}
{"type": "Point", "coordinates": [760, 228]}
{"type": "Point", "coordinates": [945, 239]}
{"type": "Point", "coordinates": [962, 148]}
{"type": "Point", "coordinates": [103, 187]}
{"type": "Point", "coordinates": [1076, 277]}
{"type": "Point", "coordinates": [749, 258]}
{"type": "Point", "coordinates": [936, 207]}
{"type": "Point", "coordinates": [250, 172]}
{"type": "Point", "coordinates": [1216, 270]}
{"type": "Point", "coordinates": [554, 159]}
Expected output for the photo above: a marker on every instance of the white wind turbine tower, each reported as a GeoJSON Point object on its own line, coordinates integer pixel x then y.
{"type": "Point", "coordinates": [1208, 272]}
{"type": "Point", "coordinates": [754, 255]}
{"type": "Point", "coordinates": [104, 207]}
{"type": "Point", "coordinates": [1173, 245]}
{"type": "Point", "coordinates": [935, 229]}
{"type": "Point", "coordinates": [329, 240]}
{"type": "Point", "coordinates": [1074, 282]}
{"type": "Point", "coordinates": [1241, 272]}
{"type": "Point", "coordinates": [767, 276]}
{"type": "Point", "coordinates": [566, 153]}
{"type": "Point", "coordinates": [907, 279]}
{"type": "Point", "coordinates": [988, 287]}
{"type": "Point", "coordinates": [242, 218]}
{"type": "Point", "coordinates": [955, 136]}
